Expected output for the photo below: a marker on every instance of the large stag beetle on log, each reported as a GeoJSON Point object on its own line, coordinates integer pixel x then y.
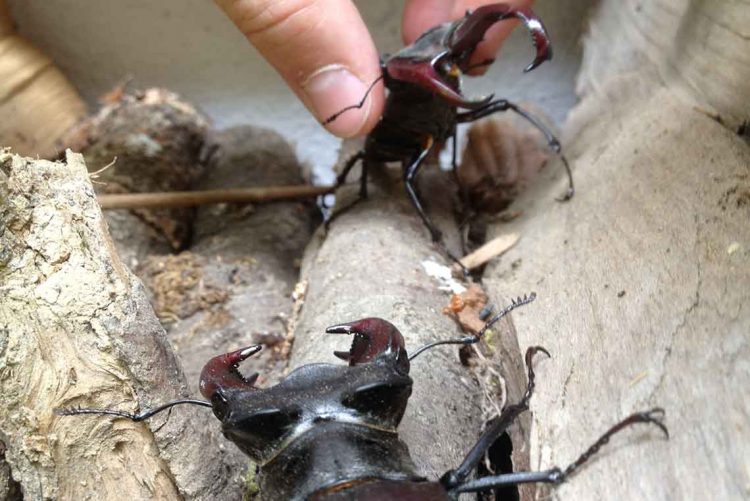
{"type": "Point", "coordinates": [329, 432]}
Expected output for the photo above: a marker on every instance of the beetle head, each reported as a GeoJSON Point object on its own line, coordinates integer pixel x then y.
{"type": "Point", "coordinates": [436, 60]}
{"type": "Point", "coordinates": [371, 393]}
{"type": "Point", "coordinates": [374, 338]}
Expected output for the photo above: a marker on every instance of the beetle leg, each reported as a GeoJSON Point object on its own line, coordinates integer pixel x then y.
{"type": "Point", "coordinates": [557, 475]}
{"type": "Point", "coordinates": [461, 190]}
{"type": "Point", "coordinates": [552, 141]}
{"type": "Point", "coordinates": [455, 478]}
{"type": "Point", "coordinates": [341, 178]}
{"type": "Point", "coordinates": [360, 155]}
{"type": "Point", "coordinates": [363, 180]}
{"type": "Point", "coordinates": [410, 175]}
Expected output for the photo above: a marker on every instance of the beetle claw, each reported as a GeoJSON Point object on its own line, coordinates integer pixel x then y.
{"type": "Point", "coordinates": [340, 329]}
{"type": "Point", "coordinates": [436, 60]}
{"type": "Point", "coordinates": [342, 355]}
{"type": "Point", "coordinates": [373, 337]}
{"type": "Point", "coordinates": [221, 372]}
{"type": "Point", "coordinates": [471, 30]}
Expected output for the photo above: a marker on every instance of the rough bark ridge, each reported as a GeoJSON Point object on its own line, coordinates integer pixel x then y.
{"type": "Point", "coordinates": [643, 278]}
{"type": "Point", "coordinates": [78, 330]}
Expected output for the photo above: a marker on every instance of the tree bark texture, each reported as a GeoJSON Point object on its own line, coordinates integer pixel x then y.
{"type": "Point", "coordinates": [696, 47]}
{"type": "Point", "coordinates": [644, 277]}
{"type": "Point", "coordinates": [643, 283]}
{"type": "Point", "coordinates": [77, 329]}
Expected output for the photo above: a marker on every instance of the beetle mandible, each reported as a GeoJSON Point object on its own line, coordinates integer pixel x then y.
{"type": "Point", "coordinates": [422, 107]}
{"type": "Point", "coordinates": [329, 432]}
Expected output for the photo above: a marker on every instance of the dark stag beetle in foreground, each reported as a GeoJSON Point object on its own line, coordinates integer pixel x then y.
{"type": "Point", "coordinates": [422, 108]}
{"type": "Point", "coordinates": [328, 432]}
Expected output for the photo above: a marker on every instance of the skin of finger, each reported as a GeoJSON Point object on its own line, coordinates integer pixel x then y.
{"type": "Point", "coordinates": [420, 15]}
{"type": "Point", "coordinates": [299, 37]}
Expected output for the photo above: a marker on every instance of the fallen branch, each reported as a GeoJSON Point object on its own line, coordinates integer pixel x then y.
{"type": "Point", "coordinates": [193, 198]}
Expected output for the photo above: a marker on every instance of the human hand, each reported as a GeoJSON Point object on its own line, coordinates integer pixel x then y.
{"type": "Point", "coordinates": [324, 51]}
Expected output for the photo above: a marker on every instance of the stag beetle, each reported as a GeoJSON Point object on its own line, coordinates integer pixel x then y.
{"type": "Point", "coordinates": [329, 432]}
{"type": "Point", "coordinates": [424, 83]}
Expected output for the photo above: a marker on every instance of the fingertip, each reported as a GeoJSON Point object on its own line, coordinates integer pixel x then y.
{"type": "Point", "coordinates": [323, 50]}
{"type": "Point", "coordinates": [421, 15]}
{"type": "Point", "coordinates": [345, 105]}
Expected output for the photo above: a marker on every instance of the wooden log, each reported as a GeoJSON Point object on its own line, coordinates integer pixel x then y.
{"type": "Point", "coordinates": [233, 287]}
{"type": "Point", "coordinates": [371, 263]}
{"type": "Point", "coordinates": [76, 329]}
{"type": "Point", "coordinates": [696, 48]}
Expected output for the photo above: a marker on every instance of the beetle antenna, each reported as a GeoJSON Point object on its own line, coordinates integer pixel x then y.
{"type": "Point", "coordinates": [358, 105]}
{"type": "Point", "coordinates": [75, 411]}
{"type": "Point", "coordinates": [474, 338]}
{"type": "Point", "coordinates": [520, 301]}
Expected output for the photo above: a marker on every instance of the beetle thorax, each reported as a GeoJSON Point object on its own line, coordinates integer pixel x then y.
{"type": "Point", "coordinates": [332, 453]}
{"type": "Point", "coordinates": [323, 424]}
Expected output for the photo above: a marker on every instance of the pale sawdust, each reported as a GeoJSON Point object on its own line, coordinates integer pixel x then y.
{"type": "Point", "coordinates": [179, 289]}
{"type": "Point", "coordinates": [298, 296]}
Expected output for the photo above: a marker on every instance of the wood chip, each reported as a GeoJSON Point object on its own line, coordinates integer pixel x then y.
{"type": "Point", "coordinates": [495, 247]}
{"type": "Point", "coordinates": [465, 308]}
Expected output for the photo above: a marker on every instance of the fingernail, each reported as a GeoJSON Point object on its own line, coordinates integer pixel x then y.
{"type": "Point", "coordinates": [330, 90]}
